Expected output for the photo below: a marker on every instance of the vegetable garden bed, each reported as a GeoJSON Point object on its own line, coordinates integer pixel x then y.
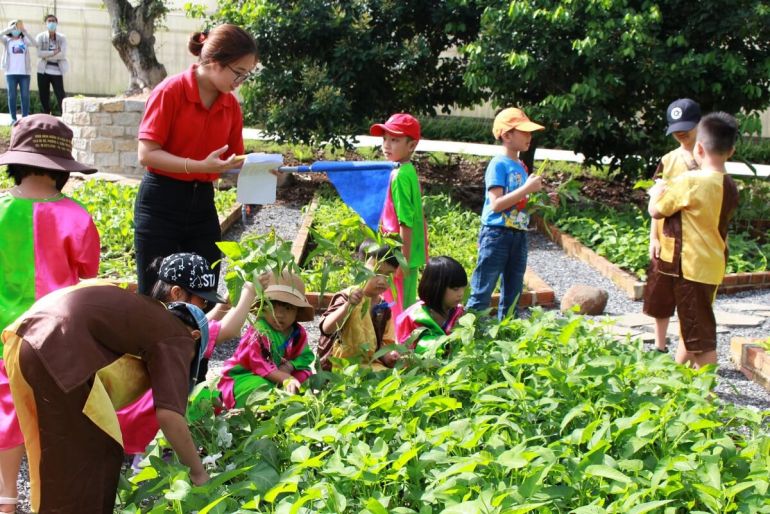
{"type": "Point", "coordinates": [541, 415]}
{"type": "Point", "coordinates": [111, 205]}
{"type": "Point", "coordinates": [452, 230]}
{"type": "Point", "coordinates": [615, 241]}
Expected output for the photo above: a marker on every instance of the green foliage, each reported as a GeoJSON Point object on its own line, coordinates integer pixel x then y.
{"type": "Point", "coordinates": [6, 182]}
{"type": "Point", "coordinates": [622, 235]}
{"type": "Point", "coordinates": [600, 74]}
{"type": "Point", "coordinates": [337, 231]}
{"type": "Point", "coordinates": [330, 68]}
{"type": "Point", "coordinates": [111, 206]}
{"type": "Point", "coordinates": [458, 128]}
{"type": "Point", "coordinates": [542, 415]}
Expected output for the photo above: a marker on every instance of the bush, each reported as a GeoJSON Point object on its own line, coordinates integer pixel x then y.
{"type": "Point", "coordinates": [600, 75]}
{"type": "Point", "coordinates": [332, 68]}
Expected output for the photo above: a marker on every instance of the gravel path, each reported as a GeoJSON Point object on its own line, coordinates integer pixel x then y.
{"type": "Point", "coordinates": [561, 271]}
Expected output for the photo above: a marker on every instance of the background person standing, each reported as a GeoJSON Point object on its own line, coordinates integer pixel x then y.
{"type": "Point", "coordinates": [15, 62]}
{"type": "Point", "coordinates": [52, 51]}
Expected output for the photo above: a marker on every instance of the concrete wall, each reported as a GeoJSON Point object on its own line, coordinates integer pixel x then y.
{"type": "Point", "coordinates": [95, 68]}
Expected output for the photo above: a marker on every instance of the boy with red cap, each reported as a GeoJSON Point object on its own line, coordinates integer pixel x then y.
{"type": "Point", "coordinates": [403, 213]}
{"type": "Point", "coordinates": [504, 220]}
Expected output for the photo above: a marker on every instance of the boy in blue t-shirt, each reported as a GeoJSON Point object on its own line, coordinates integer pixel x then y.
{"type": "Point", "coordinates": [504, 220]}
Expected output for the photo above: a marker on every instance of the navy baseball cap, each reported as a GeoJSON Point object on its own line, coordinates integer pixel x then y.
{"type": "Point", "coordinates": [192, 273]}
{"type": "Point", "coordinates": [682, 115]}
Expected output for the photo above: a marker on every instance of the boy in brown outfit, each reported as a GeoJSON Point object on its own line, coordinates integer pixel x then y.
{"type": "Point", "coordinates": [706, 199]}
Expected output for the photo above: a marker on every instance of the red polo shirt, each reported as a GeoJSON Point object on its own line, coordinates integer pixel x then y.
{"type": "Point", "coordinates": [176, 119]}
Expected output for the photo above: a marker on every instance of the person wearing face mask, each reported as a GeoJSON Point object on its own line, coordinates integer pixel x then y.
{"type": "Point", "coordinates": [52, 51]}
{"type": "Point", "coordinates": [15, 61]}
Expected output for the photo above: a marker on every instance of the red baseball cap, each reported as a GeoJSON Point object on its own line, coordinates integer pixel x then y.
{"type": "Point", "coordinates": [400, 124]}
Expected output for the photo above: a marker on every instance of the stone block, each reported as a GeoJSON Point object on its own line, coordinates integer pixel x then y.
{"type": "Point", "coordinates": [132, 132]}
{"type": "Point", "coordinates": [123, 144]}
{"type": "Point", "coordinates": [129, 159]}
{"type": "Point", "coordinates": [100, 118]}
{"type": "Point", "coordinates": [79, 144]}
{"type": "Point", "coordinates": [107, 159]}
{"type": "Point", "coordinates": [134, 105]}
{"type": "Point", "coordinates": [127, 119]}
{"type": "Point", "coordinates": [91, 105]}
{"type": "Point", "coordinates": [591, 300]}
{"type": "Point", "coordinates": [111, 131]}
{"type": "Point", "coordinates": [86, 132]}
{"type": "Point", "coordinates": [102, 145]}
{"type": "Point", "coordinates": [113, 106]}
{"type": "Point", "coordinates": [70, 105]}
{"type": "Point", "coordinates": [80, 118]}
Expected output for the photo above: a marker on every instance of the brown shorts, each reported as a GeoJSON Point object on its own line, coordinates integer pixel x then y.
{"type": "Point", "coordinates": [693, 303]}
{"type": "Point", "coordinates": [659, 294]}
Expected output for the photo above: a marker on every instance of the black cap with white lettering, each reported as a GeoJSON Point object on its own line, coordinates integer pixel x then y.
{"type": "Point", "coordinates": [192, 273]}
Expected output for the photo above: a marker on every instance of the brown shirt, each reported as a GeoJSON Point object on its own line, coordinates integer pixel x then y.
{"type": "Point", "coordinates": [79, 330]}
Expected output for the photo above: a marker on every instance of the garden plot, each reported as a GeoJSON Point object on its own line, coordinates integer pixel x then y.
{"type": "Point", "coordinates": [111, 205]}
{"type": "Point", "coordinates": [452, 230]}
{"type": "Point", "coordinates": [615, 240]}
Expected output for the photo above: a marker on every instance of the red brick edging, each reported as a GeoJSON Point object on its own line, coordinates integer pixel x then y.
{"type": "Point", "coordinates": [630, 283]}
{"type": "Point", "coordinates": [752, 359]}
{"type": "Point", "coordinates": [538, 291]}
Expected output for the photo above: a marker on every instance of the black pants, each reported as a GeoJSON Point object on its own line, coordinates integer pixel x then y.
{"type": "Point", "coordinates": [173, 216]}
{"type": "Point", "coordinates": [44, 81]}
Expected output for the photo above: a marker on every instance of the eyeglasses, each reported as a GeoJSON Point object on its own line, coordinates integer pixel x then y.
{"type": "Point", "coordinates": [242, 77]}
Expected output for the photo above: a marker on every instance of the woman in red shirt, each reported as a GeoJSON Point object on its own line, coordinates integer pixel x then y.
{"type": "Point", "coordinates": [191, 132]}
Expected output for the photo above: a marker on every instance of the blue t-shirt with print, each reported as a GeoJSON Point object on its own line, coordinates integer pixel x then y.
{"type": "Point", "coordinates": [510, 175]}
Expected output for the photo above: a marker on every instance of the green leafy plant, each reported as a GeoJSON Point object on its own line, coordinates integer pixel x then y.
{"type": "Point", "coordinates": [111, 206]}
{"type": "Point", "coordinates": [546, 415]}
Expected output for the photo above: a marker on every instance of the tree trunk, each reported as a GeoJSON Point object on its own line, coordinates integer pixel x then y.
{"type": "Point", "coordinates": [133, 36]}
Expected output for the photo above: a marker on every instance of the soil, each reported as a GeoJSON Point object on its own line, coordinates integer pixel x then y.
{"type": "Point", "coordinates": [462, 178]}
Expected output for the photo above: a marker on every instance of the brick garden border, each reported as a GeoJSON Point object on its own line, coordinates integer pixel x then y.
{"type": "Point", "coordinates": [752, 359]}
{"type": "Point", "coordinates": [538, 291]}
{"type": "Point", "coordinates": [629, 283]}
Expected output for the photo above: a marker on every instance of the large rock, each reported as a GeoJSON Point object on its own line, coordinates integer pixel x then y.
{"type": "Point", "coordinates": [591, 300]}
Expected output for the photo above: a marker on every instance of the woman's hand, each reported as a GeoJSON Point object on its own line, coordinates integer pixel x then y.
{"type": "Point", "coordinates": [199, 477]}
{"type": "Point", "coordinates": [213, 164]}
{"type": "Point", "coordinates": [291, 385]}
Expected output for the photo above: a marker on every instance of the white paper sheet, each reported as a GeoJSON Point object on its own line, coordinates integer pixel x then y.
{"type": "Point", "coordinates": [256, 185]}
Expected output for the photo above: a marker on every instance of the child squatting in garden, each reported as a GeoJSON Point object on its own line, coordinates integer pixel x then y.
{"type": "Point", "coordinates": [346, 332]}
{"type": "Point", "coordinates": [683, 116]}
{"type": "Point", "coordinates": [504, 219]}
{"type": "Point", "coordinates": [403, 213]}
{"type": "Point", "coordinates": [706, 199]}
{"type": "Point", "coordinates": [275, 350]}
{"type": "Point", "coordinates": [47, 241]}
{"type": "Point", "coordinates": [441, 290]}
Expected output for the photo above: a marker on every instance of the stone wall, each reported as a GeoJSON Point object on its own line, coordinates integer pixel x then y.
{"type": "Point", "coordinates": [104, 132]}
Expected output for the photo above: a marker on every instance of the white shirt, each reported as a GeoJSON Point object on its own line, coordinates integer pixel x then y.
{"type": "Point", "coordinates": [17, 62]}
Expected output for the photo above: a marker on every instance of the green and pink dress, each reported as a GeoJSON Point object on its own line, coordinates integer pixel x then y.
{"type": "Point", "coordinates": [259, 353]}
{"type": "Point", "coordinates": [417, 317]}
{"type": "Point", "coordinates": [44, 245]}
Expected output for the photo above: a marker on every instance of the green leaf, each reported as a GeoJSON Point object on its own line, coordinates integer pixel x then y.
{"type": "Point", "coordinates": [601, 470]}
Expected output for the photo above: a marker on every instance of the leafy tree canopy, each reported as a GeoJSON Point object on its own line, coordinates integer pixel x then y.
{"type": "Point", "coordinates": [600, 73]}
{"type": "Point", "coordinates": [330, 67]}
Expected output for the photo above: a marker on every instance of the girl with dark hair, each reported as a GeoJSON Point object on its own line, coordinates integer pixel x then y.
{"type": "Point", "coordinates": [441, 290]}
{"type": "Point", "coordinates": [191, 132]}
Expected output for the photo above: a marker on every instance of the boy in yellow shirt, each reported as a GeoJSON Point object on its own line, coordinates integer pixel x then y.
{"type": "Point", "coordinates": [706, 200]}
{"type": "Point", "coordinates": [683, 116]}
